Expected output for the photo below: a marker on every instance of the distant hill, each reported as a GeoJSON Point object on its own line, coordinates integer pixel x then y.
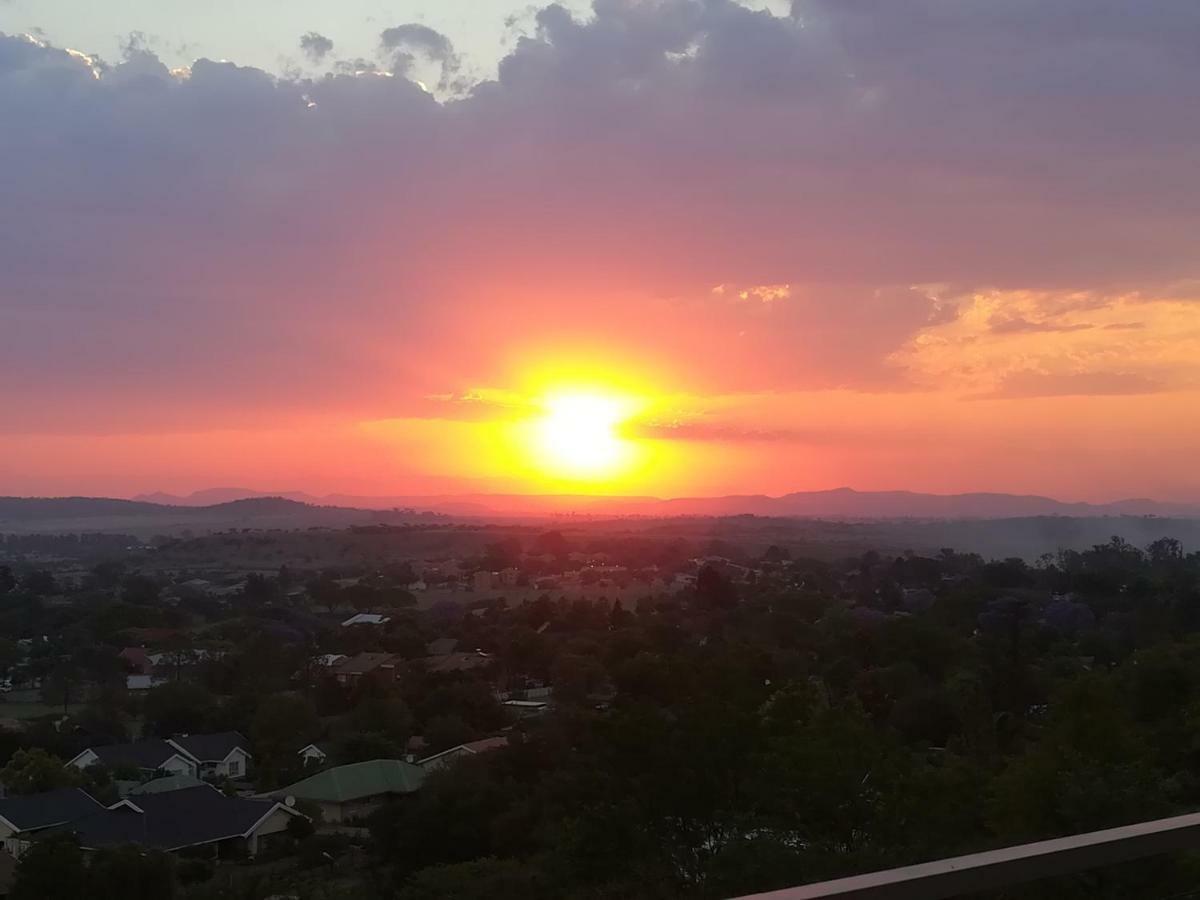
{"type": "Point", "coordinates": [841, 503]}
{"type": "Point", "coordinates": [70, 514]}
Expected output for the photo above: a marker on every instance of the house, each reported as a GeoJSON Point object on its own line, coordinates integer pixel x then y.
{"type": "Point", "coordinates": [312, 755]}
{"type": "Point", "coordinates": [138, 683]}
{"type": "Point", "coordinates": [527, 708]}
{"type": "Point", "coordinates": [366, 619]}
{"type": "Point", "coordinates": [147, 757]}
{"type": "Point", "coordinates": [136, 660]}
{"type": "Point", "coordinates": [456, 662]}
{"type": "Point", "coordinates": [441, 647]}
{"type": "Point", "coordinates": [195, 755]}
{"type": "Point", "coordinates": [196, 819]}
{"type": "Point", "coordinates": [164, 785]}
{"type": "Point", "coordinates": [223, 754]}
{"type": "Point", "coordinates": [345, 793]}
{"type": "Point", "coordinates": [384, 666]}
{"type": "Point", "coordinates": [23, 816]}
{"type": "Point", "coordinates": [462, 751]}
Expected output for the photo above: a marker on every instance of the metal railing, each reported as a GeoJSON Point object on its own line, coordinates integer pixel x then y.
{"type": "Point", "coordinates": [1006, 867]}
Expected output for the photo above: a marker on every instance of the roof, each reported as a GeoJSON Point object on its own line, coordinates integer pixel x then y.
{"type": "Point", "coordinates": [471, 749]}
{"type": "Point", "coordinates": [170, 821]}
{"type": "Point", "coordinates": [356, 781]}
{"type": "Point", "coordinates": [367, 619]}
{"type": "Point", "coordinates": [442, 646]}
{"type": "Point", "coordinates": [456, 662]}
{"type": "Point", "coordinates": [30, 812]}
{"type": "Point", "coordinates": [165, 784]}
{"type": "Point", "coordinates": [151, 754]}
{"type": "Point", "coordinates": [136, 657]}
{"type": "Point", "coordinates": [364, 663]}
{"type": "Point", "coordinates": [211, 747]}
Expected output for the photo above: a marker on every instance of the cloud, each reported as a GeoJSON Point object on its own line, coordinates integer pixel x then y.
{"type": "Point", "coordinates": [1018, 325]}
{"type": "Point", "coordinates": [315, 46]}
{"type": "Point", "coordinates": [1022, 385]}
{"type": "Point", "coordinates": [224, 245]}
{"type": "Point", "coordinates": [404, 46]}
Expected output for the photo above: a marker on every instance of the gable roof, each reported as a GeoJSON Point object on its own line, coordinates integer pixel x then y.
{"type": "Point", "coordinates": [29, 812]}
{"type": "Point", "coordinates": [456, 662]}
{"type": "Point", "coordinates": [150, 754]}
{"type": "Point", "coordinates": [165, 784]}
{"type": "Point", "coordinates": [472, 748]}
{"type": "Point", "coordinates": [442, 646]}
{"type": "Point", "coordinates": [210, 747]}
{"type": "Point", "coordinates": [356, 781]}
{"type": "Point", "coordinates": [171, 821]}
{"type": "Point", "coordinates": [364, 663]}
{"type": "Point", "coordinates": [367, 619]}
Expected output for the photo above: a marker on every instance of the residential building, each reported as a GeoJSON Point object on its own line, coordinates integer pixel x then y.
{"type": "Point", "coordinates": [346, 793]}
{"type": "Point", "coordinates": [312, 755]}
{"type": "Point", "coordinates": [147, 757]}
{"type": "Point", "coordinates": [163, 785]}
{"type": "Point", "coordinates": [383, 666]}
{"type": "Point", "coordinates": [366, 619]}
{"type": "Point", "coordinates": [441, 647]}
{"type": "Point", "coordinates": [456, 662]}
{"type": "Point", "coordinates": [190, 819]}
{"type": "Point", "coordinates": [222, 755]}
{"type": "Point", "coordinates": [196, 755]}
{"type": "Point", "coordinates": [462, 751]}
{"type": "Point", "coordinates": [25, 815]}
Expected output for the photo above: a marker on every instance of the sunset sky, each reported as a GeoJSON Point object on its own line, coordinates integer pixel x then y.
{"type": "Point", "coordinates": [673, 247]}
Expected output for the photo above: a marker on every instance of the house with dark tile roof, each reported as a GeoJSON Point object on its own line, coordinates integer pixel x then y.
{"type": "Point", "coordinates": [462, 751]}
{"type": "Point", "coordinates": [147, 757]}
{"type": "Point", "coordinates": [225, 753]}
{"type": "Point", "coordinates": [27, 814]}
{"type": "Point", "coordinates": [198, 755]}
{"type": "Point", "coordinates": [380, 666]}
{"type": "Point", "coordinates": [190, 819]}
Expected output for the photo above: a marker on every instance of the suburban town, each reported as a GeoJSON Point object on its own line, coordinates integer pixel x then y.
{"type": "Point", "coordinates": [260, 732]}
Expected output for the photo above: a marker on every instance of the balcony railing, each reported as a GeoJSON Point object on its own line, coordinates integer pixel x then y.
{"type": "Point", "coordinates": [1008, 866]}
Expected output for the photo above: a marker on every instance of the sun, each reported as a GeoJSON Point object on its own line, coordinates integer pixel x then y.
{"type": "Point", "coordinates": [577, 437]}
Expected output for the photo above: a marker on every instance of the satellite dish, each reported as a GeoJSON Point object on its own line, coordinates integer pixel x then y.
{"type": "Point", "coordinates": [289, 801]}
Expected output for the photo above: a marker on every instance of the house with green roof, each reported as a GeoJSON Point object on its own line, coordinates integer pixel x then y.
{"type": "Point", "coordinates": [351, 792]}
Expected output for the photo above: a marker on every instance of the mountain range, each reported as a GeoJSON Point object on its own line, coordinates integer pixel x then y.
{"type": "Point", "coordinates": [841, 503]}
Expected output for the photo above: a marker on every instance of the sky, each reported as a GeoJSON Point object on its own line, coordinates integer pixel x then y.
{"type": "Point", "coordinates": [668, 247]}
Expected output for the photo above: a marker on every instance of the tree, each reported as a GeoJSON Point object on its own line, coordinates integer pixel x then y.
{"type": "Point", "coordinates": [281, 727]}
{"type": "Point", "coordinates": [178, 708]}
{"type": "Point", "coordinates": [714, 590]}
{"type": "Point", "coordinates": [481, 879]}
{"type": "Point", "coordinates": [444, 732]}
{"type": "Point", "coordinates": [63, 687]}
{"type": "Point", "coordinates": [34, 771]}
{"type": "Point", "coordinates": [130, 873]}
{"type": "Point", "coordinates": [361, 746]}
{"type": "Point", "coordinates": [8, 581]}
{"type": "Point", "coordinates": [40, 583]}
{"type": "Point", "coordinates": [51, 869]}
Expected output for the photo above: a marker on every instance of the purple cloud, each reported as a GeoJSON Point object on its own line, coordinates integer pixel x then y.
{"type": "Point", "coordinates": [228, 242]}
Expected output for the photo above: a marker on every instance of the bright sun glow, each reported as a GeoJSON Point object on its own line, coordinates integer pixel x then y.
{"type": "Point", "coordinates": [578, 438]}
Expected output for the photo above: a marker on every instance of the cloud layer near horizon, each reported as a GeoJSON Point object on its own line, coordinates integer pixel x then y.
{"type": "Point", "coordinates": [986, 201]}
